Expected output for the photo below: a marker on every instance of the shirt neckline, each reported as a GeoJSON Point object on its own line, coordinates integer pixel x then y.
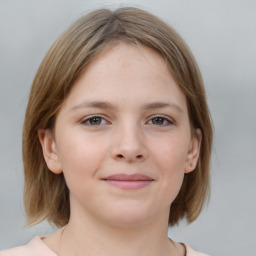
{"type": "Point", "coordinates": [39, 241]}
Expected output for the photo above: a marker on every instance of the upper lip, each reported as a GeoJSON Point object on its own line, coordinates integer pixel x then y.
{"type": "Point", "coordinates": [129, 177]}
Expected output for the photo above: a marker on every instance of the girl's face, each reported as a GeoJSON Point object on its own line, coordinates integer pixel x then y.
{"type": "Point", "coordinates": [123, 138]}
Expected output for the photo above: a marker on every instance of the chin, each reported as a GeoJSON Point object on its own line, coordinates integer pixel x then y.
{"type": "Point", "coordinates": [129, 216]}
{"type": "Point", "coordinates": [129, 221]}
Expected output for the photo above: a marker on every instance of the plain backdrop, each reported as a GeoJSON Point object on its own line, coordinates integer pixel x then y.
{"type": "Point", "coordinates": [222, 36]}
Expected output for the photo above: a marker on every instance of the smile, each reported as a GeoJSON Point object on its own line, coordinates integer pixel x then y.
{"type": "Point", "coordinates": [129, 182]}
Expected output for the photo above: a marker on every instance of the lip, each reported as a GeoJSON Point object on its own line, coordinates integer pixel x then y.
{"type": "Point", "coordinates": [129, 181]}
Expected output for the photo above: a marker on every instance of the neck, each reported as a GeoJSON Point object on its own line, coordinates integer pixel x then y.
{"type": "Point", "coordinates": [86, 234]}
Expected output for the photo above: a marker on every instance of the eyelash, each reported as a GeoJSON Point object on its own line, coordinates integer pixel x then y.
{"type": "Point", "coordinates": [166, 121]}
{"type": "Point", "coordinates": [90, 118]}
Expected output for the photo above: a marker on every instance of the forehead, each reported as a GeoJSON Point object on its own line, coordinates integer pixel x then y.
{"type": "Point", "coordinates": [127, 73]}
{"type": "Point", "coordinates": [123, 56]}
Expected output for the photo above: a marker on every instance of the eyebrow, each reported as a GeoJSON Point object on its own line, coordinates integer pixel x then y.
{"type": "Point", "coordinates": [95, 104]}
{"type": "Point", "coordinates": [155, 105]}
{"type": "Point", "coordinates": [108, 105]}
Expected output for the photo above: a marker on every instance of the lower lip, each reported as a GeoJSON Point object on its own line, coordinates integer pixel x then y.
{"type": "Point", "coordinates": [129, 185]}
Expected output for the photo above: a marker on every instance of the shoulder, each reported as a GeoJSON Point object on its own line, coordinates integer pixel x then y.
{"type": "Point", "coordinates": [191, 252]}
{"type": "Point", "coordinates": [34, 247]}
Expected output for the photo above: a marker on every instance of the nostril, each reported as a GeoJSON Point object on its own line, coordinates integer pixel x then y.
{"type": "Point", "coordinates": [130, 157]}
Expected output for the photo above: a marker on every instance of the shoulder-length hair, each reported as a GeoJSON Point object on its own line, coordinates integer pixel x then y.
{"type": "Point", "coordinates": [46, 195]}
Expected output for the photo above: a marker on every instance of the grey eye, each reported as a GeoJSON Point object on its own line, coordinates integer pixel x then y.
{"type": "Point", "coordinates": [95, 120]}
{"type": "Point", "coordinates": [160, 121]}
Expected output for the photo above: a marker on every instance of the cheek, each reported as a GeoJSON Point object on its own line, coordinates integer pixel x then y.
{"type": "Point", "coordinates": [170, 158]}
{"type": "Point", "coordinates": [80, 159]}
{"type": "Point", "coordinates": [171, 153]}
{"type": "Point", "coordinates": [80, 150]}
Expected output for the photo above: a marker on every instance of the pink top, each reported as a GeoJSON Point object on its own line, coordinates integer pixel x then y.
{"type": "Point", "coordinates": [36, 247]}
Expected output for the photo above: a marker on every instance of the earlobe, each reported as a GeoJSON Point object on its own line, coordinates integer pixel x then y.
{"type": "Point", "coordinates": [194, 151]}
{"type": "Point", "coordinates": [50, 152]}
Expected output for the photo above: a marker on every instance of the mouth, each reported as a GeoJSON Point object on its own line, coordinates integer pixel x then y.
{"type": "Point", "coordinates": [129, 182]}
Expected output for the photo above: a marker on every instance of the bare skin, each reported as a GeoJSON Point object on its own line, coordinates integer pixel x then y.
{"type": "Point", "coordinates": [129, 117]}
{"type": "Point", "coordinates": [56, 243]}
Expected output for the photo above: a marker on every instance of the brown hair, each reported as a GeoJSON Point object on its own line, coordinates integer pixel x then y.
{"type": "Point", "coordinates": [46, 195]}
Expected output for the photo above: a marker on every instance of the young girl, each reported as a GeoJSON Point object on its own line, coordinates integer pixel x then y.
{"type": "Point", "coordinates": [117, 139]}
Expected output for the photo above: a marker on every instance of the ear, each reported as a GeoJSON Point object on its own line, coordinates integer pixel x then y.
{"type": "Point", "coordinates": [50, 151]}
{"type": "Point", "coordinates": [194, 151]}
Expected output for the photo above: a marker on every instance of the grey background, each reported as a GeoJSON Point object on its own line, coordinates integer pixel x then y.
{"type": "Point", "coordinates": [222, 36]}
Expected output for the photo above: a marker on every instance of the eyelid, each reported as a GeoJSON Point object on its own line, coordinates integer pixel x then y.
{"type": "Point", "coordinates": [87, 118]}
{"type": "Point", "coordinates": [83, 121]}
{"type": "Point", "coordinates": [170, 120]}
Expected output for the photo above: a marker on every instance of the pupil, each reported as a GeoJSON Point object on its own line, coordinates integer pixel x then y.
{"type": "Point", "coordinates": [158, 120]}
{"type": "Point", "coordinates": [95, 120]}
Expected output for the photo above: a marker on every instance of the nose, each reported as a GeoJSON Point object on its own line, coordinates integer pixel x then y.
{"type": "Point", "coordinates": [129, 145]}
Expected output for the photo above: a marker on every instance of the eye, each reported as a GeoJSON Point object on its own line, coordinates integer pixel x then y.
{"type": "Point", "coordinates": [161, 121]}
{"type": "Point", "coordinates": [94, 121]}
